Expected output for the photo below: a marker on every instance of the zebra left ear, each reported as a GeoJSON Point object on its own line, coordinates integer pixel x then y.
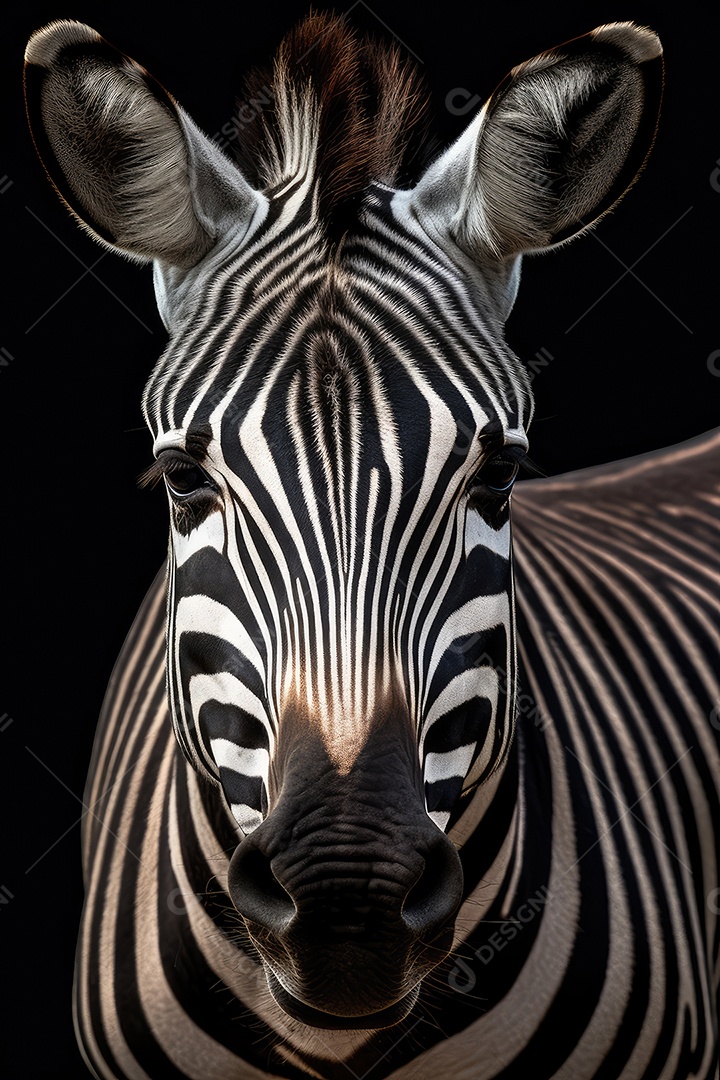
{"type": "Point", "coordinates": [553, 149]}
{"type": "Point", "coordinates": [129, 163]}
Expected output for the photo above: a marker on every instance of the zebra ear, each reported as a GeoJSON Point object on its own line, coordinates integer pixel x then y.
{"type": "Point", "coordinates": [123, 156]}
{"type": "Point", "coordinates": [554, 148]}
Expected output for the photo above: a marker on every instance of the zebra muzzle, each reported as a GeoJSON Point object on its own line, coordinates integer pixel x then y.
{"type": "Point", "coordinates": [349, 910]}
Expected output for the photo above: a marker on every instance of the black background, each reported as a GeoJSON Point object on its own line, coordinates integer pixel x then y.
{"type": "Point", "coordinates": [627, 316]}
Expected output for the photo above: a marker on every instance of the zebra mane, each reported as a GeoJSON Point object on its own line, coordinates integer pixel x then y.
{"type": "Point", "coordinates": [341, 106]}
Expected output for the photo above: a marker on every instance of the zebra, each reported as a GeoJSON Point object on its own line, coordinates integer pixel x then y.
{"type": "Point", "coordinates": [379, 788]}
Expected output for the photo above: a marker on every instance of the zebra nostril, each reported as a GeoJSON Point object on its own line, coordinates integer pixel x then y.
{"type": "Point", "coordinates": [434, 897]}
{"type": "Point", "coordinates": [256, 892]}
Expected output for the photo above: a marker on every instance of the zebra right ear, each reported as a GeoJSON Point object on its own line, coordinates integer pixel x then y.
{"type": "Point", "coordinates": [128, 162]}
{"type": "Point", "coordinates": [553, 149]}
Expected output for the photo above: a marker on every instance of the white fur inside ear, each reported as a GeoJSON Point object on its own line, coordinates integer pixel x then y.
{"type": "Point", "coordinates": [535, 176]}
{"type": "Point", "coordinates": [548, 153]}
{"type": "Point", "coordinates": [124, 157]}
{"type": "Point", "coordinates": [134, 169]}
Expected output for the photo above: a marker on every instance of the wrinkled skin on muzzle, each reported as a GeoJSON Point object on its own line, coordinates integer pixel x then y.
{"type": "Point", "coordinates": [348, 889]}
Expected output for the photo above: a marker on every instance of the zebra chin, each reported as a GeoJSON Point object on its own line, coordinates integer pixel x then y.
{"type": "Point", "coordinates": [349, 977]}
{"type": "Point", "coordinates": [336, 1021]}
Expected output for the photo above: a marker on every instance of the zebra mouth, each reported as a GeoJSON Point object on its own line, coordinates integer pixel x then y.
{"type": "Point", "coordinates": [313, 1017]}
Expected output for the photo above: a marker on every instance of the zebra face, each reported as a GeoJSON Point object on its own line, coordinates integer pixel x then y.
{"type": "Point", "coordinates": [341, 608]}
{"type": "Point", "coordinates": [339, 424]}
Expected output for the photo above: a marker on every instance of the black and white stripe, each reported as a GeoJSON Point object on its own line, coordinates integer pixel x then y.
{"type": "Point", "coordinates": [339, 423]}
{"type": "Point", "coordinates": [591, 878]}
{"type": "Point", "coordinates": [317, 468]}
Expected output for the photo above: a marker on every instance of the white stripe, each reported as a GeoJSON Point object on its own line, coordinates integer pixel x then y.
{"type": "Point", "coordinates": [444, 766]}
{"type": "Point", "coordinates": [205, 615]}
{"type": "Point", "coordinates": [249, 761]}
{"type": "Point", "coordinates": [479, 534]}
{"type": "Point", "coordinates": [247, 817]}
{"type": "Point", "coordinates": [211, 535]}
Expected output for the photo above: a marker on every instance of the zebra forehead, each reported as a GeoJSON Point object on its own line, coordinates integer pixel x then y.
{"type": "Point", "coordinates": [330, 375]}
{"type": "Point", "coordinates": [360, 318]}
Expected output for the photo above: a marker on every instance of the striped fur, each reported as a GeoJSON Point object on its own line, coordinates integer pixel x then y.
{"type": "Point", "coordinates": [591, 883]}
{"type": "Point", "coordinates": [340, 859]}
{"type": "Point", "coordinates": [345, 566]}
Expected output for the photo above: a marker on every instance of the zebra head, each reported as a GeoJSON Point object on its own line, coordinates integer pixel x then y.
{"type": "Point", "coordinates": [339, 423]}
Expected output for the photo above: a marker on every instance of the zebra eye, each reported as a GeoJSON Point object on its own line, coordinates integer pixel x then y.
{"type": "Point", "coordinates": [499, 472]}
{"type": "Point", "coordinates": [183, 477]}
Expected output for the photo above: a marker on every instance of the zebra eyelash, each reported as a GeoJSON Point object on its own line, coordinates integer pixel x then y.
{"type": "Point", "coordinates": [167, 462]}
{"type": "Point", "coordinates": [527, 465]}
{"type": "Point", "coordinates": [151, 476]}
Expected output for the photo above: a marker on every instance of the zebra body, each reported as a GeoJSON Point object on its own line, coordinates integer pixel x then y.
{"type": "Point", "coordinates": [341, 822]}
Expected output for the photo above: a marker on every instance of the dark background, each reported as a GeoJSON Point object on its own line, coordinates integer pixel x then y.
{"type": "Point", "coordinates": [624, 322]}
